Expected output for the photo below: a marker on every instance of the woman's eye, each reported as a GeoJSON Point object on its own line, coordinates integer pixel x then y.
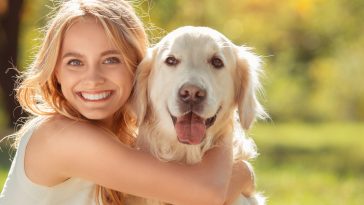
{"type": "Point", "coordinates": [112, 60]}
{"type": "Point", "coordinates": [74, 62]}
{"type": "Point", "coordinates": [171, 61]}
{"type": "Point", "coordinates": [217, 62]}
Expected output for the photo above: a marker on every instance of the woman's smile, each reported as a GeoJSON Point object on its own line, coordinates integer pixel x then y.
{"type": "Point", "coordinates": [95, 96]}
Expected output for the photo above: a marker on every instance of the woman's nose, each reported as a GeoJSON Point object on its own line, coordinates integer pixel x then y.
{"type": "Point", "coordinates": [94, 76]}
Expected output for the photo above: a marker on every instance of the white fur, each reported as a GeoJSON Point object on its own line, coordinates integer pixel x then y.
{"type": "Point", "coordinates": [231, 93]}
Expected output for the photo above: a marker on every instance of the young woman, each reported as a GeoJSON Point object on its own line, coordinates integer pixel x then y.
{"type": "Point", "coordinates": [77, 148]}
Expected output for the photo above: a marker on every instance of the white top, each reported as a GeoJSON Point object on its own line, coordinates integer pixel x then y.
{"type": "Point", "coordinates": [20, 190]}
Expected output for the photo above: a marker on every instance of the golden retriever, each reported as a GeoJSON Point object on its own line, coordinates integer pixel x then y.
{"type": "Point", "coordinates": [189, 88]}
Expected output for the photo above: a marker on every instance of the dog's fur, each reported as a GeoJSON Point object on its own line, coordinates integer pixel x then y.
{"type": "Point", "coordinates": [228, 96]}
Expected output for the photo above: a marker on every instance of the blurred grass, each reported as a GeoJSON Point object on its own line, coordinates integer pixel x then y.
{"type": "Point", "coordinates": [5, 155]}
{"type": "Point", "coordinates": [301, 164]}
{"type": "Point", "coordinates": [3, 175]}
{"type": "Point", "coordinates": [310, 163]}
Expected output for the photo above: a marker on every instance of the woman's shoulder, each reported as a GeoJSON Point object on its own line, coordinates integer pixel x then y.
{"type": "Point", "coordinates": [59, 132]}
{"type": "Point", "coordinates": [58, 122]}
{"type": "Point", "coordinates": [57, 144]}
{"type": "Point", "coordinates": [61, 126]}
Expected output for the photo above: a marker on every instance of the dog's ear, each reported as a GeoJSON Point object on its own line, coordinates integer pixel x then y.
{"type": "Point", "coordinates": [140, 94]}
{"type": "Point", "coordinates": [247, 85]}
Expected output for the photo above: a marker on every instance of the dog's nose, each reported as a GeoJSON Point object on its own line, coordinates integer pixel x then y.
{"type": "Point", "coordinates": [192, 94]}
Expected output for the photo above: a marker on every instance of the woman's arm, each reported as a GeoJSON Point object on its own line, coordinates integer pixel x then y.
{"type": "Point", "coordinates": [85, 151]}
{"type": "Point", "coordinates": [241, 182]}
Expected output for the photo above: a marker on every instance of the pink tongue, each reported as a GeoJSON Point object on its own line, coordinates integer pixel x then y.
{"type": "Point", "coordinates": [190, 128]}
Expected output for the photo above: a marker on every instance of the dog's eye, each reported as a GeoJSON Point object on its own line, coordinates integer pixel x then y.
{"type": "Point", "coordinates": [216, 62]}
{"type": "Point", "coordinates": [171, 61]}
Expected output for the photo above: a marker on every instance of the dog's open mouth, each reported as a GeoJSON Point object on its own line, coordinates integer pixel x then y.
{"type": "Point", "coordinates": [191, 128]}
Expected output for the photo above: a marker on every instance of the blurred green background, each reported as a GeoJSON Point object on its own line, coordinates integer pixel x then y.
{"type": "Point", "coordinates": [312, 151]}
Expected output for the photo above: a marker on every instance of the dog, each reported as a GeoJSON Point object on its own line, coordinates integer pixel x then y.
{"type": "Point", "coordinates": [192, 88]}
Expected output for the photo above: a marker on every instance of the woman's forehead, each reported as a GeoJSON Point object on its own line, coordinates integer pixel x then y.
{"type": "Point", "coordinates": [87, 34]}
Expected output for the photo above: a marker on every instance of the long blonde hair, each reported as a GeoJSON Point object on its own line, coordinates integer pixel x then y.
{"type": "Point", "coordinates": [39, 92]}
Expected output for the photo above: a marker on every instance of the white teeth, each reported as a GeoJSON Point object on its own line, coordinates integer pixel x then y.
{"type": "Point", "coordinates": [98, 96]}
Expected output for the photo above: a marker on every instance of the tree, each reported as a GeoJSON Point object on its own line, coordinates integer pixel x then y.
{"type": "Point", "coordinates": [9, 32]}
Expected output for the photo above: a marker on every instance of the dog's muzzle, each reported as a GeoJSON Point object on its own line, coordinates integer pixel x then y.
{"type": "Point", "coordinates": [191, 128]}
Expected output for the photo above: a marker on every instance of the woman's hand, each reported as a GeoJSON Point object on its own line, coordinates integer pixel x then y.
{"type": "Point", "coordinates": [216, 167]}
{"type": "Point", "coordinates": [241, 182]}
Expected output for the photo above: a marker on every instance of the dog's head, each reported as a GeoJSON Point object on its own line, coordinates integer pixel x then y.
{"type": "Point", "coordinates": [193, 79]}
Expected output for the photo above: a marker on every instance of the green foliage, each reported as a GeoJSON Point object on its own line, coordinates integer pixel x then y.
{"type": "Point", "coordinates": [310, 163]}
{"type": "Point", "coordinates": [5, 154]}
{"type": "Point", "coordinates": [33, 19]}
{"type": "Point", "coordinates": [3, 175]}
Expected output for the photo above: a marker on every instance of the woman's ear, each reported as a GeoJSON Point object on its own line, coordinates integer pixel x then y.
{"type": "Point", "coordinates": [140, 95]}
{"type": "Point", "coordinates": [248, 68]}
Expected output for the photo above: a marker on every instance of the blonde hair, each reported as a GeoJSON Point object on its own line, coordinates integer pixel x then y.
{"type": "Point", "coordinates": [39, 92]}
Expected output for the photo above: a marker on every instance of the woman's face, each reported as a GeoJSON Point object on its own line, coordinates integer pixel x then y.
{"type": "Point", "coordinates": [91, 71]}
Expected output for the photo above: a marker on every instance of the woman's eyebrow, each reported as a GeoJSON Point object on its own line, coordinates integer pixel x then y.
{"type": "Point", "coordinates": [74, 54]}
{"type": "Point", "coordinates": [108, 52]}
{"type": "Point", "coordinates": [71, 54]}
